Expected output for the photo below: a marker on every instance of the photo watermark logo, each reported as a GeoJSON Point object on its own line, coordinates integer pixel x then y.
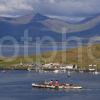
{"type": "Point", "coordinates": [8, 43]}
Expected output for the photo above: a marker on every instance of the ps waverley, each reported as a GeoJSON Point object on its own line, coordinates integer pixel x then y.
{"type": "Point", "coordinates": [62, 86]}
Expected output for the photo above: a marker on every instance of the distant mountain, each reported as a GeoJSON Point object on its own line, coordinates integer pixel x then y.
{"type": "Point", "coordinates": [58, 25]}
{"type": "Point", "coordinates": [39, 25]}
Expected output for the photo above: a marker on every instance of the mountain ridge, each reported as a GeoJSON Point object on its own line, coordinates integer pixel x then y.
{"type": "Point", "coordinates": [39, 26]}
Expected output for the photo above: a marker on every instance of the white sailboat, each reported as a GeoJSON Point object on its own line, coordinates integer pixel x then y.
{"type": "Point", "coordinates": [69, 74]}
{"type": "Point", "coordinates": [56, 71]}
{"type": "Point", "coordinates": [96, 73]}
{"type": "Point", "coordinates": [29, 69]}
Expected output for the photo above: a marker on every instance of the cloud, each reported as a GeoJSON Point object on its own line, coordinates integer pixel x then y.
{"type": "Point", "coordinates": [65, 8]}
{"type": "Point", "coordinates": [70, 7]}
{"type": "Point", "coordinates": [16, 7]}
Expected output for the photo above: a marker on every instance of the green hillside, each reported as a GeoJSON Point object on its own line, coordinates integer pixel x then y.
{"type": "Point", "coordinates": [82, 56]}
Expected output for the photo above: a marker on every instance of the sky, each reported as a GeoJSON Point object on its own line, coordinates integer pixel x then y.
{"type": "Point", "coordinates": [66, 9]}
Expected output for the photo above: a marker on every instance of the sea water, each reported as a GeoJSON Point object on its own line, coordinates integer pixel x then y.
{"type": "Point", "coordinates": [17, 85]}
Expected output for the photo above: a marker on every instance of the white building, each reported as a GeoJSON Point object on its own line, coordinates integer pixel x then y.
{"type": "Point", "coordinates": [71, 67]}
{"type": "Point", "coordinates": [51, 65]}
{"type": "Point", "coordinates": [92, 67]}
{"type": "Point", "coordinates": [48, 65]}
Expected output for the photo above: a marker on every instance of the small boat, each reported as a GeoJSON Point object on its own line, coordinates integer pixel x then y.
{"type": "Point", "coordinates": [69, 74]}
{"type": "Point", "coordinates": [91, 69]}
{"type": "Point", "coordinates": [29, 69]}
{"type": "Point", "coordinates": [56, 71]}
{"type": "Point", "coordinates": [3, 71]}
{"type": "Point", "coordinates": [64, 86]}
{"type": "Point", "coordinates": [96, 72]}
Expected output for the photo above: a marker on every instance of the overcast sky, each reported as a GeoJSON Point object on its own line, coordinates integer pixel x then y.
{"type": "Point", "coordinates": [78, 9]}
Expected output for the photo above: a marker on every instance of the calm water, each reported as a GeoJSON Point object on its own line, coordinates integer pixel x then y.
{"type": "Point", "coordinates": [16, 85]}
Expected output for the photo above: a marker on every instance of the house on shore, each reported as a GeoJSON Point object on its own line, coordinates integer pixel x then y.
{"type": "Point", "coordinates": [52, 65]}
{"type": "Point", "coordinates": [69, 67]}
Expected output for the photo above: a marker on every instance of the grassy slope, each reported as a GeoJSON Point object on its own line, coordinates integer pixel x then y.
{"type": "Point", "coordinates": [86, 55]}
{"type": "Point", "coordinates": [82, 58]}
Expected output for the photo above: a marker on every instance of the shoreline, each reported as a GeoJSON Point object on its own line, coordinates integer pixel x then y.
{"type": "Point", "coordinates": [50, 70]}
